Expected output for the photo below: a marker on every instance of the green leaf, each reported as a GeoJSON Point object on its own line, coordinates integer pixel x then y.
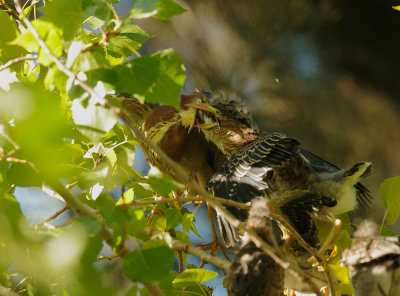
{"type": "Point", "coordinates": [149, 264]}
{"type": "Point", "coordinates": [157, 78]}
{"type": "Point", "coordinates": [174, 218]}
{"type": "Point", "coordinates": [8, 33]}
{"type": "Point", "coordinates": [96, 117]}
{"type": "Point", "coordinates": [92, 225]}
{"type": "Point", "coordinates": [389, 191]}
{"type": "Point", "coordinates": [11, 216]}
{"type": "Point", "coordinates": [167, 9]}
{"type": "Point", "coordinates": [51, 36]}
{"type": "Point", "coordinates": [143, 9]}
{"type": "Point", "coordinates": [112, 214]}
{"type": "Point", "coordinates": [88, 60]}
{"type": "Point", "coordinates": [40, 127]}
{"type": "Point", "coordinates": [160, 9]}
{"type": "Point", "coordinates": [141, 192]}
{"type": "Point", "coordinates": [191, 277]}
{"type": "Point", "coordinates": [128, 41]}
{"type": "Point", "coordinates": [386, 231]}
{"type": "Point", "coordinates": [22, 174]}
{"type": "Point", "coordinates": [159, 222]}
{"type": "Point", "coordinates": [66, 15]}
{"type": "Point", "coordinates": [162, 184]}
{"type": "Point", "coordinates": [137, 222]}
{"type": "Point", "coordinates": [96, 13]}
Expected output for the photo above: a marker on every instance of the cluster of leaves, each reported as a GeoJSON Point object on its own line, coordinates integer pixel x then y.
{"type": "Point", "coordinates": [51, 131]}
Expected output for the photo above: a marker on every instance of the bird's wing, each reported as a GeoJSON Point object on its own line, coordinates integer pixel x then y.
{"type": "Point", "coordinates": [243, 177]}
{"type": "Point", "coordinates": [296, 207]}
{"type": "Point", "coordinates": [320, 165]}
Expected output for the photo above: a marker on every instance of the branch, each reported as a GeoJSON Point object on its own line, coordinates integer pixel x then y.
{"type": "Point", "coordinates": [140, 203]}
{"type": "Point", "coordinates": [58, 213]}
{"type": "Point", "coordinates": [15, 61]}
{"type": "Point", "coordinates": [178, 245]}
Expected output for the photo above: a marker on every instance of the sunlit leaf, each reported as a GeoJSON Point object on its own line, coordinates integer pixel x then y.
{"type": "Point", "coordinates": [193, 277]}
{"type": "Point", "coordinates": [161, 9]}
{"type": "Point", "coordinates": [389, 191]}
{"type": "Point", "coordinates": [40, 127]}
{"type": "Point", "coordinates": [8, 33]}
{"type": "Point", "coordinates": [167, 9]}
{"type": "Point", "coordinates": [128, 41]}
{"type": "Point", "coordinates": [141, 192]}
{"type": "Point", "coordinates": [6, 78]}
{"type": "Point", "coordinates": [64, 14]}
{"type": "Point", "coordinates": [49, 33]}
{"type": "Point", "coordinates": [157, 78]}
{"type": "Point", "coordinates": [137, 222]}
{"type": "Point", "coordinates": [98, 119]}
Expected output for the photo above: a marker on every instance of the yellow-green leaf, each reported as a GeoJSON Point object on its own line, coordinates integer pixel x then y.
{"type": "Point", "coordinates": [389, 191]}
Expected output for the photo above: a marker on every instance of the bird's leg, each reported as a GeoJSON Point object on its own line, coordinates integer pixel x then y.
{"type": "Point", "coordinates": [289, 292]}
{"type": "Point", "coordinates": [215, 244]}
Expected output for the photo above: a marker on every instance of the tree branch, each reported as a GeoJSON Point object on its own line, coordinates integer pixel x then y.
{"type": "Point", "coordinates": [178, 245]}
{"type": "Point", "coordinates": [15, 61]}
{"type": "Point", "coordinates": [140, 203]}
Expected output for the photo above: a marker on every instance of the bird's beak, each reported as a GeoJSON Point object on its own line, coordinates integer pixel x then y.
{"type": "Point", "coordinates": [204, 107]}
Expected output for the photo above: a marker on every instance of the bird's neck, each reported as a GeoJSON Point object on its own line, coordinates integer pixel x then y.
{"type": "Point", "coordinates": [230, 136]}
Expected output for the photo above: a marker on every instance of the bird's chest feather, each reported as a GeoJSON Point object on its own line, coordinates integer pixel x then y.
{"type": "Point", "coordinates": [344, 194]}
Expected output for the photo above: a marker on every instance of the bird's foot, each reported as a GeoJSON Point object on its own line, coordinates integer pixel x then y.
{"type": "Point", "coordinates": [214, 246]}
{"type": "Point", "coordinates": [289, 292]}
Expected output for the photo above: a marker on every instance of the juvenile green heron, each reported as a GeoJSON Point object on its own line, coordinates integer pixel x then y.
{"type": "Point", "coordinates": [170, 130]}
{"type": "Point", "coordinates": [264, 164]}
{"type": "Point", "coordinates": [373, 262]}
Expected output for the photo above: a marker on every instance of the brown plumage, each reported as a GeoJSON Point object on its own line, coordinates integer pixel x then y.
{"type": "Point", "coordinates": [270, 164]}
{"type": "Point", "coordinates": [169, 130]}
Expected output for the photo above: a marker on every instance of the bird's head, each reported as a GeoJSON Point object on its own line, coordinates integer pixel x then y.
{"type": "Point", "coordinates": [196, 111]}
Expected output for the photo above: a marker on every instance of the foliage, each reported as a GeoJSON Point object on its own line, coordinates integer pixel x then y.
{"type": "Point", "coordinates": [52, 130]}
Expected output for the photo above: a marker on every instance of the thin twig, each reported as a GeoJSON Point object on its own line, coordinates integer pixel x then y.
{"type": "Point", "coordinates": [58, 213]}
{"type": "Point", "coordinates": [15, 61]}
{"type": "Point", "coordinates": [178, 245]}
{"type": "Point", "coordinates": [140, 203]}
{"type": "Point", "coordinates": [100, 258]}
